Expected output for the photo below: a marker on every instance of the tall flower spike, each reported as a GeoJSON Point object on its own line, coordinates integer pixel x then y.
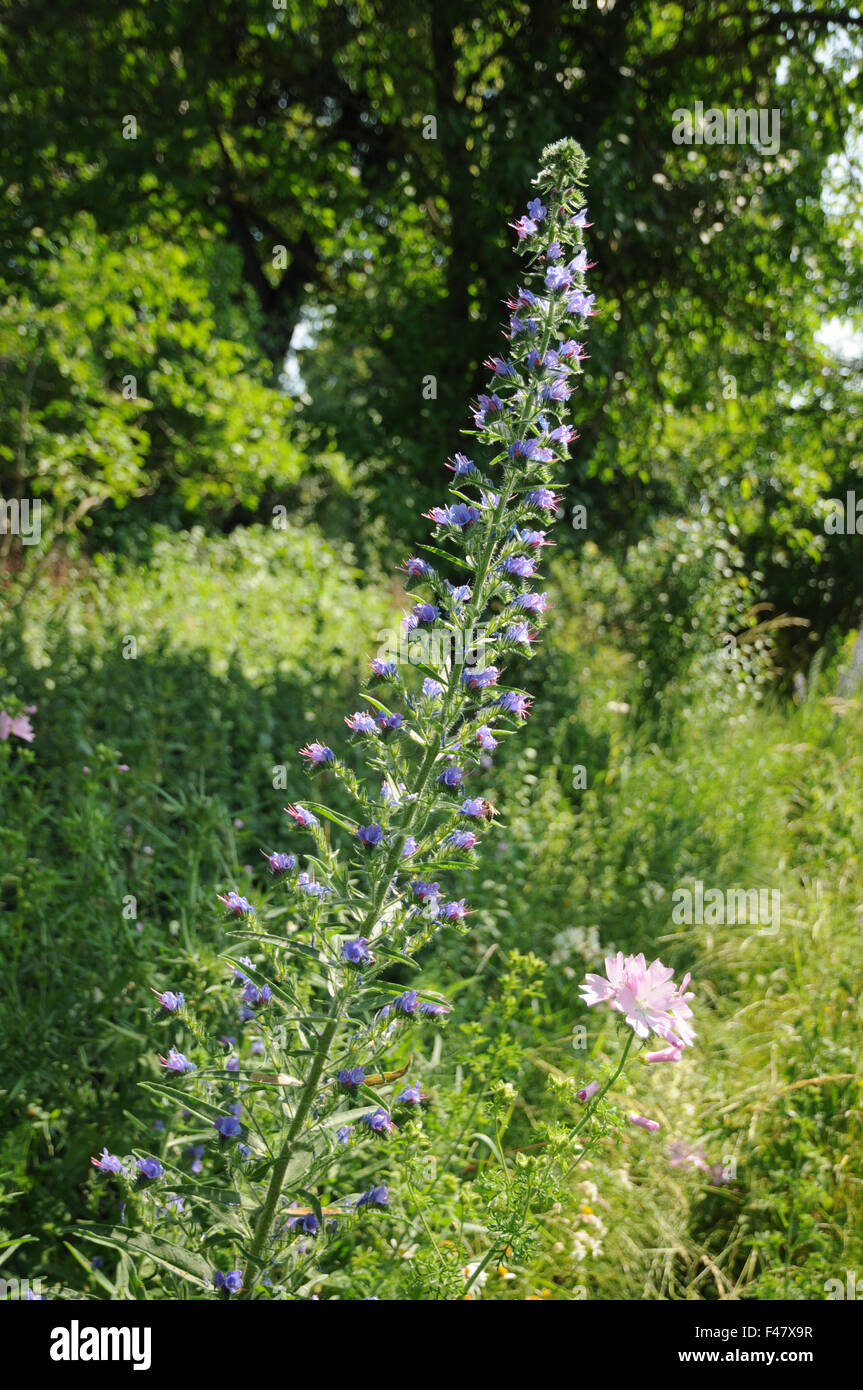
{"type": "Point", "coordinates": [374, 886]}
{"type": "Point", "coordinates": [454, 648]}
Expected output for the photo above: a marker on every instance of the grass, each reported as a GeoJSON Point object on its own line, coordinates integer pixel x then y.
{"type": "Point", "coordinates": [248, 646]}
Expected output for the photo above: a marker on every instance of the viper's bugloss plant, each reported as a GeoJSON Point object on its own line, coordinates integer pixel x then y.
{"type": "Point", "coordinates": [319, 1012]}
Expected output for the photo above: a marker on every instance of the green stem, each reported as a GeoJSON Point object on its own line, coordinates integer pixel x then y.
{"type": "Point", "coordinates": [591, 1110]}
{"type": "Point", "coordinates": [486, 1260]}
{"type": "Point", "coordinates": [280, 1167]}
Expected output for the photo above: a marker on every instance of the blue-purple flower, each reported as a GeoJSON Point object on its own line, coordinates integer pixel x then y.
{"type": "Point", "coordinates": [429, 1009]}
{"type": "Point", "coordinates": [543, 499]}
{"type": "Point", "coordinates": [255, 997]}
{"type": "Point", "coordinates": [282, 863]}
{"type": "Point", "coordinates": [317, 754]}
{"type": "Point", "coordinates": [228, 1126]}
{"type": "Point", "coordinates": [351, 1077]}
{"type": "Point", "coordinates": [386, 670]}
{"type": "Point", "coordinates": [514, 703]}
{"type": "Point", "coordinates": [530, 602]}
{"type": "Point", "coordinates": [375, 1197]}
{"type": "Point", "coordinates": [107, 1163]}
{"type": "Point", "coordinates": [406, 1003]}
{"type": "Point", "coordinates": [175, 1061]}
{"type": "Point", "coordinates": [379, 1122]}
{"type": "Point", "coordinates": [370, 836]}
{"type": "Point", "coordinates": [170, 1002]}
{"type": "Point", "coordinates": [311, 887]}
{"type": "Point", "coordinates": [461, 839]}
{"type": "Point", "coordinates": [480, 680]}
{"type": "Point", "coordinates": [361, 722]}
{"type": "Point", "coordinates": [411, 1095]}
{"type": "Point", "coordinates": [357, 952]}
{"type": "Point", "coordinates": [451, 777]}
{"type": "Point", "coordinates": [150, 1168]}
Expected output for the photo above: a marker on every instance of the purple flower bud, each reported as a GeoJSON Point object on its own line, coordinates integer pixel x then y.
{"type": "Point", "coordinates": [587, 1092]}
{"type": "Point", "coordinates": [668, 1054]}
{"type": "Point", "coordinates": [432, 1010]}
{"type": "Point", "coordinates": [650, 1125]}
{"type": "Point", "coordinates": [255, 997]}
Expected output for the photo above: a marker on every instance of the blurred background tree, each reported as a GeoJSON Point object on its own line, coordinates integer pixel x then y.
{"type": "Point", "coordinates": [314, 195]}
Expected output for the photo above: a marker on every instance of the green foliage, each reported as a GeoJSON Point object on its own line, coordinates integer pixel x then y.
{"type": "Point", "coordinates": [130, 380]}
{"type": "Point", "coordinates": [738, 793]}
{"type": "Point", "coordinates": [108, 876]}
{"type": "Point", "coordinates": [347, 169]}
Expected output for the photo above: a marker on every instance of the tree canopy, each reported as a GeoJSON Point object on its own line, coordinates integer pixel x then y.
{"type": "Point", "coordinates": [348, 169]}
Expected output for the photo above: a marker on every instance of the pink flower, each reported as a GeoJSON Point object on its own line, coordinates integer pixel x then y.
{"type": "Point", "coordinates": [650, 1125]}
{"type": "Point", "coordinates": [680, 1155]}
{"type": "Point", "coordinates": [17, 724]}
{"type": "Point", "coordinates": [669, 1054]}
{"type": "Point", "coordinates": [587, 1092]}
{"type": "Point", "coordinates": [646, 995]}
